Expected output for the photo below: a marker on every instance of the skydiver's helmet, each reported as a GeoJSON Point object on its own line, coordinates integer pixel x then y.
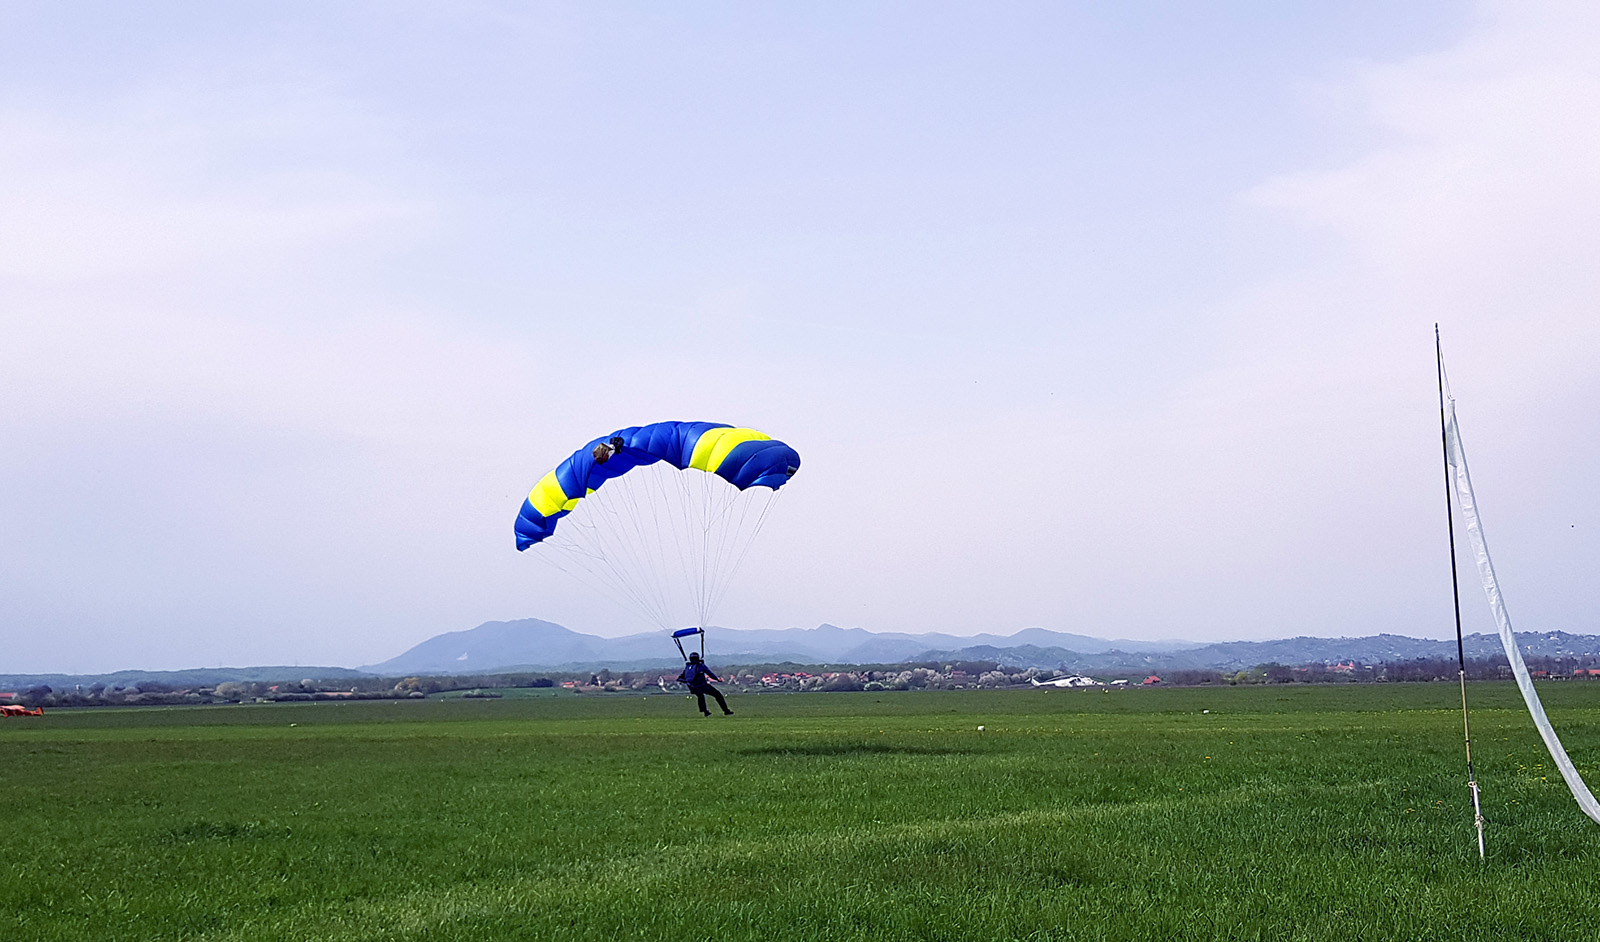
{"type": "Point", "coordinates": [694, 657]}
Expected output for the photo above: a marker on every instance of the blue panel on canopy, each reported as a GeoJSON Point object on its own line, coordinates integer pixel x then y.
{"type": "Point", "coordinates": [683, 632]}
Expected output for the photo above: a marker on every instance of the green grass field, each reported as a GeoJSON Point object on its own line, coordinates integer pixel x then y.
{"type": "Point", "coordinates": [1284, 813]}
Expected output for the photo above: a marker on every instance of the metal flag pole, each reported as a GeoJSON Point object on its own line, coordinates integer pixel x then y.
{"type": "Point", "coordinates": [1455, 587]}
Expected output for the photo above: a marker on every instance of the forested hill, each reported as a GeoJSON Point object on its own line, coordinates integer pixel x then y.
{"type": "Point", "coordinates": [1238, 655]}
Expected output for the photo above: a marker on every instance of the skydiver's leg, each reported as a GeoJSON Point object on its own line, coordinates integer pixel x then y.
{"type": "Point", "coordinates": [720, 702]}
{"type": "Point", "coordinates": [700, 695]}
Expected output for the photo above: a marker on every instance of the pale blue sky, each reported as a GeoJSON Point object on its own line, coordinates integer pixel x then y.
{"type": "Point", "coordinates": [1108, 318]}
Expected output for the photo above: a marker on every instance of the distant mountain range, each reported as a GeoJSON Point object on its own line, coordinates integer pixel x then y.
{"type": "Point", "coordinates": [531, 644]}
{"type": "Point", "coordinates": [536, 644]}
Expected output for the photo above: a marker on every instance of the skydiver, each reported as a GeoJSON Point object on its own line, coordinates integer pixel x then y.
{"type": "Point", "coordinates": [695, 674]}
{"type": "Point", "coordinates": [604, 451]}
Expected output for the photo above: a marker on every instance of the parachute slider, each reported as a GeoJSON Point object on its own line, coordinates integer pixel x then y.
{"type": "Point", "coordinates": [681, 633]}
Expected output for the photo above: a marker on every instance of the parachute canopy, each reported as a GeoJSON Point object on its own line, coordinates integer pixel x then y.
{"type": "Point", "coordinates": [743, 457]}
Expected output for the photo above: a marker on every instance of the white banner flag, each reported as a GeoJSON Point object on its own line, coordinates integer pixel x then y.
{"type": "Point", "coordinates": [1469, 515]}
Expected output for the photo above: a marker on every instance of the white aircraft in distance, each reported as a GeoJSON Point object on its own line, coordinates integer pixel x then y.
{"type": "Point", "coordinates": [1076, 680]}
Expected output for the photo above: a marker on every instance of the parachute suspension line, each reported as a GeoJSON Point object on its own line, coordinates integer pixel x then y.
{"type": "Point", "coordinates": [715, 543]}
{"type": "Point", "coordinates": [609, 529]}
{"type": "Point", "coordinates": [594, 543]}
{"type": "Point", "coordinates": [673, 515]}
{"type": "Point", "coordinates": [699, 492]}
{"type": "Point", "coordinates": [1455, 588]}
{"type": "Point", "coordinates": [693, 503]}
{"type": "Point", "coordinates": [589, 567]}
{"type": "Point", "coordinates": [717, 534]}
{"type": "Point", "coordinates": [714, 540]}
{"type": "Point", "coordinates": [743, 549]}
{"type": "Point", "coordinates": [729, 533]}
{"type": "Point", "coordinates": [705, 532]}
{"type": "Point", "coordinates": [644, 535]}
{"type": "Point", "coordinates": [718, 530]}
{"type": "Point", "coordinates": [1466, 502]}
{"type": "Point", "coordinates": [621, 536]}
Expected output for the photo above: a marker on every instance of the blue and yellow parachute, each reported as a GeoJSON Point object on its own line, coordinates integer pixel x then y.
{"type": "Point", "coordinates": [743, 457]}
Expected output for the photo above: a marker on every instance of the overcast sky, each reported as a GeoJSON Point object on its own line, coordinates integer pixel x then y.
{"type": "Point", "coordinates": [1114, 318]}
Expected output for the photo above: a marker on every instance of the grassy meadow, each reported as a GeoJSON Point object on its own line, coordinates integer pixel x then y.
{"type": "Point", "coordinates": [1286, 812]}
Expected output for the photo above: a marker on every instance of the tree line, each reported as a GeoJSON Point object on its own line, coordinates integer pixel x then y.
{"type": "Point", "coordinates": [800, 678]}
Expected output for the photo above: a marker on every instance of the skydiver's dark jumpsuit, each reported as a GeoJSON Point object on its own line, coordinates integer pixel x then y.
{"type": "Point", "coordinates": [695, 674]}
